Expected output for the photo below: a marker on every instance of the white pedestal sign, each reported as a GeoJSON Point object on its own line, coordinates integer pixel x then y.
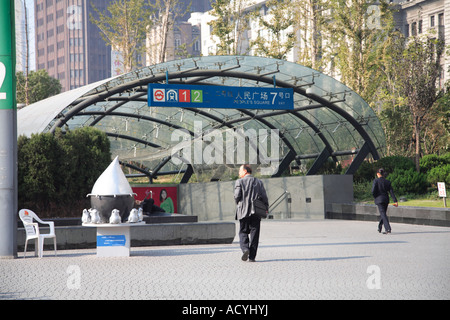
{"type": "Point", "coordinates": [113, 240]}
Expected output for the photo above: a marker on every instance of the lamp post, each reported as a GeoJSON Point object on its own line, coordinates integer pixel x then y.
{"type": "Point", "coordinates": [8, 132]}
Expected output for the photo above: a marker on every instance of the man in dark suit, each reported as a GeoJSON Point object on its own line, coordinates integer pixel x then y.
{"type": "Point", "coordinates": [380, 191]}
{"type": "Point", "coordinates": [248, 188]}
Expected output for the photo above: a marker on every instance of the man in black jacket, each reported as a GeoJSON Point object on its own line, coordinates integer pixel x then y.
{"type": "Point", "coordinates": [246, 189]}
{"type": "Point", "coordinates": [380, 190]}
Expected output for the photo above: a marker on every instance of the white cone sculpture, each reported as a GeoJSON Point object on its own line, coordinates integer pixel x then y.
{"type": "Point", "coordinates": [112, 181]}
{"type": "Point", "coordinates": [112, 191]}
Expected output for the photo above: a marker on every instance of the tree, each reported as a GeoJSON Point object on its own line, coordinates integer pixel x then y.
{"type": "Point", "coordinates": [165, 12]}
{"type": "Point", "coordinates": [124, 26]}
{"type": "Point", "coordinates": [277, 37]}
{"type": "Point", "coordinates": [417, 72]}
{"type": "Point", "coordinates": [357, 29]}
{"type": "Point", "coordinates": [25, 54]}
{"type": "Point", "coordinates": [443, 106]}
{"type": "Point", "coordinates": [390, 105]}
{"type": "Point", "coordinates": [310, 22]}
{"type": "Point", "coordinates": [229, 26]}
{"type": "Point", "coordinates": [398, 131]}
{"type": "Point", "coordinates": [436, 128]}
{"type": "Point", "coordinates": [40, 86]}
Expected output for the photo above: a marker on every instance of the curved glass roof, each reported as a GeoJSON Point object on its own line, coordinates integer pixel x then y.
{"type": "Point", "coordinates": [329, 120]}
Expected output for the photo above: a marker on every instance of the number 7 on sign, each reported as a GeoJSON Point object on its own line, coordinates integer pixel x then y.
{"type": "Point", "coordinates": [274, 95]}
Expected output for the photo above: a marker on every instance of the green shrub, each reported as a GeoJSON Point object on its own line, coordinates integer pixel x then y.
{"type": "Point", "coordinates": [58, 170]}
{"type": "Point", "coordinates": [431, 161]}
{"type": "Point", "coordinates": [366, 172]}
{"type": "Point", "coordinates": [87, 154]}
{"type": "Point", "coordinates": [38, 170]}
{"type": "Point", "coordinates": [408, 181]}
{"type": "Point", "coordinates": [392, 163]}
{"type": "Point", "coordinates": [439, 174]}
{"type": "Point", "coordinates": [446, 158]}
{"type": "Point", "coordinates": [362, 191]}
{"type": "Point", "coordinates": [402, 173]}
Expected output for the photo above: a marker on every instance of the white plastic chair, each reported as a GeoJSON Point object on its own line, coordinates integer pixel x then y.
{"type": "Point", "coordinates": [32, 231]}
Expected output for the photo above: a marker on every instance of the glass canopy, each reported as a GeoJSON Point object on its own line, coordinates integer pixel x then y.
{"type": "Point", "coordinates": [329, 121]}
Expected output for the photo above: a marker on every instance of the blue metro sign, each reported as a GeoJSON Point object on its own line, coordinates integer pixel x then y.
{"type": "Point", "coordinates": [208, 96]}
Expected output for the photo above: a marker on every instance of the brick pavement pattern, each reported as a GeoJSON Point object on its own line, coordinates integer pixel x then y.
{"type": "Point", "coordinates": [297, 259]}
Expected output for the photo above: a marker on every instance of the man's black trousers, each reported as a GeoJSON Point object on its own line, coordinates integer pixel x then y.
{"type": "Point", "coordinates": [249, 226]}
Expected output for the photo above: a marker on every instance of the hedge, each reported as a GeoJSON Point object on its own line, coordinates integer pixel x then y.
{"type": "Point", "coordinates": [401, 172]}
{"type": "Point", "coordinates": [57, 171]}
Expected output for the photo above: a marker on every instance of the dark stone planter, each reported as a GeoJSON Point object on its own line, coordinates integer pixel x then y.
{"type": "Point", "coordinates": [106, 204]}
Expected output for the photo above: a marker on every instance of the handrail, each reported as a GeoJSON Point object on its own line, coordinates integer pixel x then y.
{"type": "Point", "coordinates": [277, 202]}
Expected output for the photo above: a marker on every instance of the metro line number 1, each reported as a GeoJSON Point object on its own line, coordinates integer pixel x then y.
{"type": "Point", "coordinates": [185, 95]}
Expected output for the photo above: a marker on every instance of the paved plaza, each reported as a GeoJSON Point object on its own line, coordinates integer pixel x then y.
{"type": "Point", "coordinates": [297, 259]}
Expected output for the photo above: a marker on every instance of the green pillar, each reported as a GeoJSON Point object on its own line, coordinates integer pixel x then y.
{"type": "Point", "coordinates": [8, 132]}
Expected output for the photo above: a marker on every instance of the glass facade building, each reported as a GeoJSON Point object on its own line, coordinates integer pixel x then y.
{"type": "Point", "coordinates": [329, 122]}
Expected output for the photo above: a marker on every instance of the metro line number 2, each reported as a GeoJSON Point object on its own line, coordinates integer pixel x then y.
{"type": "Point", "coordinates": [2, 79]}
{"type": "Point", "coordinates": [197, 96]}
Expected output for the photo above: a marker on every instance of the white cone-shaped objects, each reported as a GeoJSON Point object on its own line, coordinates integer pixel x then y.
{"type": "Point", "coordinates": [112, 182]}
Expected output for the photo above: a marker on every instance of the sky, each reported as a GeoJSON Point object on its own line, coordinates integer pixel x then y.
{"type": "Point", "coordinates": [30, 4]}
{"type": "Point", "coordinates": [30, 11]}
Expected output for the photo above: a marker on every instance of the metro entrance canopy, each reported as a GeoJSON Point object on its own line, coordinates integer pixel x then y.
{"type": "Point", "coordinates": [327, 120]}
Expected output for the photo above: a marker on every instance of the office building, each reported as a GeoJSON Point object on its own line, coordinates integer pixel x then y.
{"type": "Point", "coordinates": [68, 45]}
{"type": "Point", "coordinates": [431, 17]}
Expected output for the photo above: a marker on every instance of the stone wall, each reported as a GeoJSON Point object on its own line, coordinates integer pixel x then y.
{"type": "Point", "coordinates": [401, 214]}
{"type": "Point", "coordinates": [79, 237]}
{"type": "Point", "coordinates": [299, 197]}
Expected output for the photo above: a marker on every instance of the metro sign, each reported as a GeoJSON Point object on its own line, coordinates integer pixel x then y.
{"type": "Point", "coordinates": [159, 95]}
{"type": "Point", "coordinates": [210, 96]}
{"type": "Point", "coordinates": [172, 95]}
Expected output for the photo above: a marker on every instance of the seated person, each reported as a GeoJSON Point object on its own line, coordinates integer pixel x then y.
{"type": "Point", "coordinates": [148, 206]}
{"type": "Point", "coordinates": [166, 202]}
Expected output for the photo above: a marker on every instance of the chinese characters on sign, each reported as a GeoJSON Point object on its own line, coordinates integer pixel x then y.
{"type": "Point", "coordinates": [442, 192]}
{"type": "Point", "coordinates": [197, 96]}
{"type": "Point", "coordinates": [111, 240]}
{"type": "Point", "coordinates": [441, 189]}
